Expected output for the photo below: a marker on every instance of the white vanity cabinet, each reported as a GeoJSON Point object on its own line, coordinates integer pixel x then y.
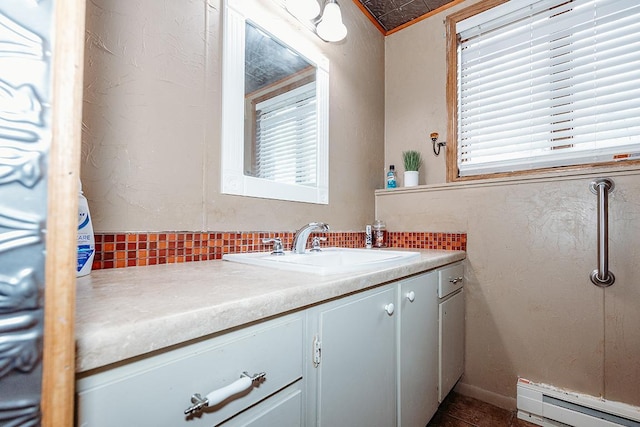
{"type": "Point", "coordinates": [156, 391]}
{"type": "Point", "coordinates": [373, 358]}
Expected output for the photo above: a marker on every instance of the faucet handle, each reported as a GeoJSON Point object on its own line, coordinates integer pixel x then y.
{"type": "Point", "coordinates": [323, 226]}
{"type": "Point", "coordinates": [277, 245]}
{"type": "Point", "coordinates": [315, 243]}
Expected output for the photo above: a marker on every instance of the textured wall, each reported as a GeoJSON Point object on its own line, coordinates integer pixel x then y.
{"type": "Point", "coordinates": [152, 112]}
{"type": "Point", "coordinates": [415, 94]}
{"type": "Point", "coordinates": [531, 308]}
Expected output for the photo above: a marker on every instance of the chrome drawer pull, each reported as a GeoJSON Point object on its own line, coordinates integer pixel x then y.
{"type": "Point", "coordinates": [455, 280]}
{"type": "Point", "coordinates": [216, 396]}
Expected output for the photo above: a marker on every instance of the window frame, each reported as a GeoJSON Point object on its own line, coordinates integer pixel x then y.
{"type": "Point", "coordinates": [452, 172]}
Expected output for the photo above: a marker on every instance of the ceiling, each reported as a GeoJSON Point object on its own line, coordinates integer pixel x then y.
{"type": "Point", "coordinates": [267, 60]}
{"type": "Point", "coordinates": [393, 15]}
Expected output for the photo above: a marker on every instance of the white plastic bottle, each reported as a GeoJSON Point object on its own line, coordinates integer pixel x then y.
{"type": "Point", "coordinates": [86, 239]}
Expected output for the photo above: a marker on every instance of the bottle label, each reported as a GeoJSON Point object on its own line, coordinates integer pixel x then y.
{"type": "Point", "coordinates": [391, 181]}
{"type": "Point", "coordinates": [380, 240]}
{"type": "Point", "coordinates": [84, 253]}
{"type": "Point", "coordinates": [83, 220]}
{"type": "Point", "coordinates": [85, 240]}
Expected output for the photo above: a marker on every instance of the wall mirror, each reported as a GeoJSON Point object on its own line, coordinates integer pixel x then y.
{"type": "Point", "coordinates": [274, 108]}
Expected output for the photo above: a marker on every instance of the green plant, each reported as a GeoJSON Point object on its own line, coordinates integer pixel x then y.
{"type": "Point", "coordinates": [412, 160]}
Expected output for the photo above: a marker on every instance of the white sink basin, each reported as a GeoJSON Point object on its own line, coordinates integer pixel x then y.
{"type": "Point", "coordinates": [328, 261]}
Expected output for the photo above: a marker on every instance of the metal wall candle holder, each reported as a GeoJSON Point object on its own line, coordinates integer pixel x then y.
{"type": "Point", "coordinates": [438, 145]}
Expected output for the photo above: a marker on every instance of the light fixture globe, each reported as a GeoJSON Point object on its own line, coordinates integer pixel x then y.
{"type": "Point", "coordinates": [303, 10]}
{"type": "Point", "coordinates": [331, 28]}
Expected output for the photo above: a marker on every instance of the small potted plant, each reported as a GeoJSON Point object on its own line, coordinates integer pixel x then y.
{"type": "Point", "coordinates": [412, 162]}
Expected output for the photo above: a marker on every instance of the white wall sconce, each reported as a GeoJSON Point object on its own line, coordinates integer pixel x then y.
{"type": "Point", "coordinates": [329, 27]}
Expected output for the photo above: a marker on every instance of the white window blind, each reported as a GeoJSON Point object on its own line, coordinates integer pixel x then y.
{"type": "Point", "coordinates": [548, 83]}
{"type": "Point", "coordinates": [286, 137]}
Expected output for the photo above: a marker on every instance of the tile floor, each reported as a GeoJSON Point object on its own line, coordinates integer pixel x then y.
{"type": "Point", "coordinates": [462, 411]}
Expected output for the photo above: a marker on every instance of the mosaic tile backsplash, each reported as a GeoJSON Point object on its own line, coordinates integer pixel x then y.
{"type": "Point", "coordinates": [120, 250]}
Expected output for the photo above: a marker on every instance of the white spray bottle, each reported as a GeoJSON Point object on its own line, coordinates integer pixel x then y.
{"type": "Point", "coordinates": [86, 239]}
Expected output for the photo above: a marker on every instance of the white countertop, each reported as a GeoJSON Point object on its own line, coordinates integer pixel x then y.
{"type": "Point", "coordinates": [127, 312]}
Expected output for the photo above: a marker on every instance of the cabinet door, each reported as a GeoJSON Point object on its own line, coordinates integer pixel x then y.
{"type": "Point", "coordinates": [356, 375]}
{"type": "Point", "coordinates": [451, 342]}
{"type": "Point", "coordinates": [418, 350]}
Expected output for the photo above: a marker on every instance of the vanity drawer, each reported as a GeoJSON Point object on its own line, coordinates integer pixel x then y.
{"type": "Point", "coordinates": [156, 391]}
{"type": "Point", "coordinates": [450, 279]}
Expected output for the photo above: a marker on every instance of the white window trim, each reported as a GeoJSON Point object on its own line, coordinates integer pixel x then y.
{"type": "Point", "coordinates": [233, 179]}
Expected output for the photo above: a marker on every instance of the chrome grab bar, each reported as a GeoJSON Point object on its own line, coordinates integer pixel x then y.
{"type": "Point", "coordinates": [602, 277]}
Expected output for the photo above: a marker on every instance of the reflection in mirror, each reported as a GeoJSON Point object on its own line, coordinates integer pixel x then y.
{"type": "Point", "coordinates": [274, 108]}
{"type": "Point", "coordinates": [280, 138]}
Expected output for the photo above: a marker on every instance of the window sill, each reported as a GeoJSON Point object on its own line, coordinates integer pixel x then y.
{"type": "Point", "coordinates": [610, 171]}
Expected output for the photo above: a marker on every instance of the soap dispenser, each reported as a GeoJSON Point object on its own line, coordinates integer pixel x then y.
{"type": "Point", "coordinates": [379, 234]}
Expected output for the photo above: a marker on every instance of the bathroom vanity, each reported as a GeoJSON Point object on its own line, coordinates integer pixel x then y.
{"type": "Point", "coordinates": [290, 348]}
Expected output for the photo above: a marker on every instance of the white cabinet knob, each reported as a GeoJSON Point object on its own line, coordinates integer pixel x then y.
{"type": "Point", "coordinates": [411, 296]}
{"type": "Point", "coordinates": [389, 308]}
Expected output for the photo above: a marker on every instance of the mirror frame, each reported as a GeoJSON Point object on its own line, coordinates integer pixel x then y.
{"type": "Point", "coordinates": [233, 179]}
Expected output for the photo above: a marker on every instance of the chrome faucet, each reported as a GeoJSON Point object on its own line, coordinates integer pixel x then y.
{"type": "Point", "coordinates": [302, 235]}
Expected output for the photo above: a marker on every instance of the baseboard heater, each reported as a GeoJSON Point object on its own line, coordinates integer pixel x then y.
{"type": "Point", "coordinates": [548, 406]}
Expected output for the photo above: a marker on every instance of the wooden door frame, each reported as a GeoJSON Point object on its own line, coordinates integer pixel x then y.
{"type": "Point", "coordinates": [58, 381]}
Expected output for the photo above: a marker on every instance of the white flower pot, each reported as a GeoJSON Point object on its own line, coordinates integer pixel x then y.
{"type": "Point", "coordinates": [410, 178]}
